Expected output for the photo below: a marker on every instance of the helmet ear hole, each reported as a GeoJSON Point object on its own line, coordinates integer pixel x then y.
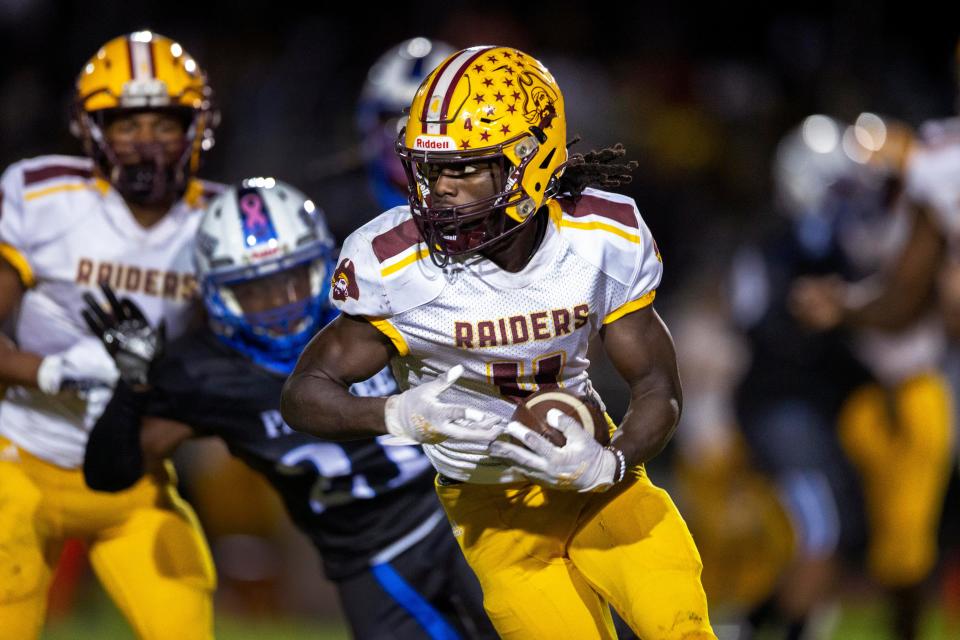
{"type": "Point", "coordinates": [547, 159]}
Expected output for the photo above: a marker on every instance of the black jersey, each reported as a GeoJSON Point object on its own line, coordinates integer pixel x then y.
{"type": "Point", "coordinates": [789, 360]}
{"type": "Point", "coordinates": [352, 498]}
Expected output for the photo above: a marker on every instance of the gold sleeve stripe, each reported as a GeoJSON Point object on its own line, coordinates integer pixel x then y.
{"type": "Point", "coordinates": [19, 263]}
{"type": "Point", "coordinates": [602, 226]}
{"type": "Point", "coordinates": [390, 331]}
{"type": "Point", "coordinates": [630, 307]}
{"type": "Point", "coordinates": [555, 210]}
{"type": "Point", "coordinates": [193, 193]}
{"type": "Point", "coordinates": [39, 193]}
{"type": "Point", "coordinates": [420, 254]}
{"type": "Point", "coordinates": [101, 185]}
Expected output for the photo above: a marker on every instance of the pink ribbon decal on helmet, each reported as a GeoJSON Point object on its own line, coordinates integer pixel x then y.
{"type": "Point", "coordinates": [252, 207]}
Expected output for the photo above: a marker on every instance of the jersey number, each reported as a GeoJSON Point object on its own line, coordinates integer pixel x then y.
{"type": "Point", "coordinates": [332, 463]}
{"type": "Point", "coordinates": [513, 384]}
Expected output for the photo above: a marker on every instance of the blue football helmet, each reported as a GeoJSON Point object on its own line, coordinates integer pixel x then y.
{"type": "Point", "coordinates": [390, 86]}
{"type": "Point", "coordinates": [264, 257]}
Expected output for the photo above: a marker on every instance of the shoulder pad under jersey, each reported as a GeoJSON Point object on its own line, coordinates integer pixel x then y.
{"type": "Point", "coordinates": [384, 268]}
{"type": "Point", "coordinates": [606, 230]}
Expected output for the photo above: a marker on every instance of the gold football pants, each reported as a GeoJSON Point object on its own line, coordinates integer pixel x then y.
{"type": "Point", "coordinates": [549, 561]}
{"type": "Point", "coordinates": [145, 545]}
{"type": "Point", "coordinates": [900, 440]}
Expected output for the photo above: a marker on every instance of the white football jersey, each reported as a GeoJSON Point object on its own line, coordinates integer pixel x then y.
{"type": "Point", "coordinates": [514, 333]}
{"type": "Point", "coordinates": [65, 229]}
{"type": "Point", "coordinates": [873, 245]}
{"type": "Point", "coordinates": [933, 175]}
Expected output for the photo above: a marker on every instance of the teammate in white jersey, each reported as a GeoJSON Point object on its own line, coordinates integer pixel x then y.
{"type": "Point", "coordinates": [487, 287]}
{"type": "Point", "coordinates": [125, 215]}
{"type": "Point", "coordinates": [897, 432]}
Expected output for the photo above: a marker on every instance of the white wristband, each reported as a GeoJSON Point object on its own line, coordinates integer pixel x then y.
{"type": "Point", "coordinates": [621, 470]}
{"type": "Point", "coordinates": [49, 374]}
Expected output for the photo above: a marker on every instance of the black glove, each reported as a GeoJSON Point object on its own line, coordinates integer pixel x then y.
{"type": "Point", "coordinates": [127, 335]}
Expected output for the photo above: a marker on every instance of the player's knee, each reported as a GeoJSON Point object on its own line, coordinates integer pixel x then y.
{"type": "Point", "coordinates": [898, 561]}
{"type": "Point", "coordinates": [182, 554]}
{"type": "Point", "coordinates": [24, 572]}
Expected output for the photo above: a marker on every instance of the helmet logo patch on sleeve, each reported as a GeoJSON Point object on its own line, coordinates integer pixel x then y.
{"type": "Point", "coordinates": [255, 218]}
{"type": "Point", "coordinates": [343, 285]}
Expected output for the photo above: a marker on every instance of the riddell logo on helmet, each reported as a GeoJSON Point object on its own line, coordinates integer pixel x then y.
{"type": "Point", "coordinates": [434, 143]}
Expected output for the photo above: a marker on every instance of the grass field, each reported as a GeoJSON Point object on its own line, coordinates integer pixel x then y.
{"type": "Point", "coordinates": [97, 618]}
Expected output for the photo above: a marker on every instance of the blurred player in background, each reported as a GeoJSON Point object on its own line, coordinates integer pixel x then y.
{"type": "Point", "coordinates": [264, 260]}
{"type": "Point", "coordinates": [391, 83]}
{"type": "Point", "coordinates": [125, 215]}
{"type": "Point", "coordinates": [788, 401]}
{"type": "Point", "coordinates": [898, 431]}
{"type": "Point", "coordinates": [733, 509]}
{"type": "Point", "coordinates": [499, 225]}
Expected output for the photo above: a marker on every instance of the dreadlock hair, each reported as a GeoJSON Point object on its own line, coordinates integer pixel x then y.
{"type": "Point", "coordinates": [595, 169]}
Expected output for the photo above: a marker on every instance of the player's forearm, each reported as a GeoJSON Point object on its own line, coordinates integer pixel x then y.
{"type": "Point", "coordinates": [877, 304]}
{"type": "Point", "coordinates": [648, 425]}
{"type": "Point", "coordinates": [18, 367]}
{"type": "Point", "coordinates": [908, 290]}
{"type": "Point", "coordinates": [888, 312]}
{"type": "Point", "coordinates": [317, 405]}
{"type": "Point", "coordinates": [113, 460]}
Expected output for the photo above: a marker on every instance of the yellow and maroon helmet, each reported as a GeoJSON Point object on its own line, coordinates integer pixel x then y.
{"type": "Point", "coordinates": [484, 104]}
{"type": "Point", "coordinates": [144, 71]}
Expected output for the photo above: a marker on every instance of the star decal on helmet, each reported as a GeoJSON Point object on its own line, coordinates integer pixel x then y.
{"type": "Point", "coordinates": [521, 95]}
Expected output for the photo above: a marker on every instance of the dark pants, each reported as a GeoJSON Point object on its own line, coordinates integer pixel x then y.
{"type": "Point", "coordinates": [427, 591]}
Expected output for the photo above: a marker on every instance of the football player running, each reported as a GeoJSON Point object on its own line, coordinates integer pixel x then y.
{"type": "Point", "coordinates": [486, 287]}
{"type": "Point", "coordinates": [899, 430]}
{"type": "Point", "coordinates": [126, 215]}
{"type": "Point", "coordinates": [264, 258]}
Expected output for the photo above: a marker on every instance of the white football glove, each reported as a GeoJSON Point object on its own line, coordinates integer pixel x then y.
{"type": "Point", "coordinates": [418, 415]}
{"type": "Point", "coordinates": [97, 400]}
{"type": "Point", "coordinates": [82, 367]}
{"type": "Point", "coordinates": [582, 464]}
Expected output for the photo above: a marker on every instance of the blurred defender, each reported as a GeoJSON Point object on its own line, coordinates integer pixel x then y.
{"type": "Point", "coordinates": [797, 380]}
{"type": "Point", "coordinates": [124, 215]}
{"type": "Point", "coordinates": [899, 431]}
{"type": "Point", "coordinates": [387, 92]}
{"type": "Point", "coordinates": [264, 258]}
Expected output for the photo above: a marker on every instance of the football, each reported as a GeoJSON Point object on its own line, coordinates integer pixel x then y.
{"type": "Point", "coordinates": [533, 414]}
